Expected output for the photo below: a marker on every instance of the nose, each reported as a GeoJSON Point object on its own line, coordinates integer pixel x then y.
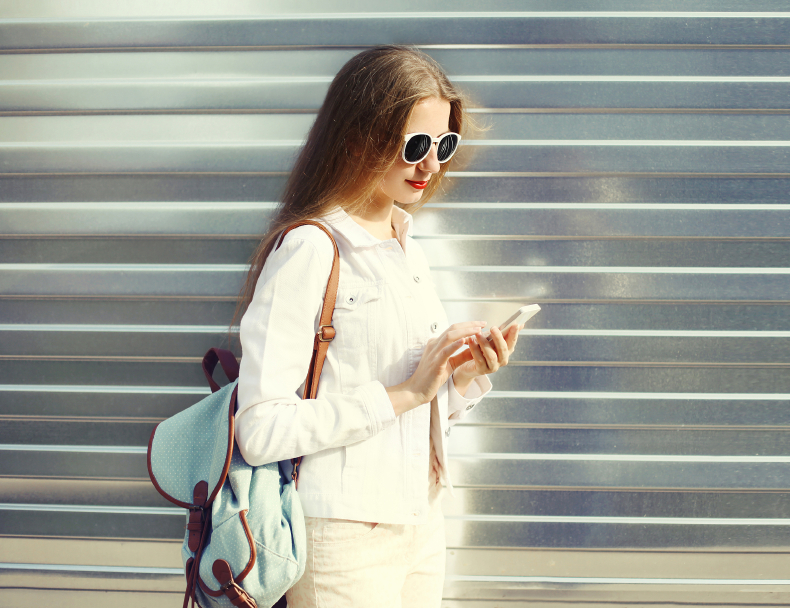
{"type": "Point", "coordinates": [431, 162]}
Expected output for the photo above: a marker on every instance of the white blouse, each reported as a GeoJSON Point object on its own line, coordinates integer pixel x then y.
{"type": "Point", "coordinates": [361, 461]}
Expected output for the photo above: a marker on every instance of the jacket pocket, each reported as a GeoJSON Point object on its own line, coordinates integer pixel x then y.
{"type": "Point", "coordinates": [356, 320]}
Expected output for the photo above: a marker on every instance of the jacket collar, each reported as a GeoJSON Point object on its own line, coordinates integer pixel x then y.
{"type": "Point", "coordinates": [357, 236]}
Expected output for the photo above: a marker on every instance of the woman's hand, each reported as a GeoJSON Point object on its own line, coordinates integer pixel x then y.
{"type": "Point", "coordinates": [483, 357]}
{"type": "Point", "coordinates": [434, 367]}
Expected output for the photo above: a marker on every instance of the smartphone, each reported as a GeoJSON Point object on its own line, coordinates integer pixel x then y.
{"type": "Point", "coordinates": [522, 315]}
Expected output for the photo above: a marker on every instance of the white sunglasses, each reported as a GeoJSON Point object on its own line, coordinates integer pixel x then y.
{"type": "Point", "coordinates": [418, 146]}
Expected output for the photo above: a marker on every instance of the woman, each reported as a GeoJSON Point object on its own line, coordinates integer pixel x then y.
{"type": "Point", "coordinates": [375, 438]}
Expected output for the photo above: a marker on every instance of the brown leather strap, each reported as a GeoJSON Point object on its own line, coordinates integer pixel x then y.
{"type": "Point", "coordinates": [326, 333]}
{"type": "Point", "coordinates": [228, 362]}
{"type": "Point", "coordinates": [237, 596]}
{"type": "Point", "coordinates": [197, 515]}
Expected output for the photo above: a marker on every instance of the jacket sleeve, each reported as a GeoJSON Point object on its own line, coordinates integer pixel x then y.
{"type": "Point", "coordinates": [458, 406]}
{"type": "Point", "coordinates": [277, 331]}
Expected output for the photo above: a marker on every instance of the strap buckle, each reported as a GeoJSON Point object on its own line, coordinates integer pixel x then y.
{"type": "Point", "coordinates": [326, 333]}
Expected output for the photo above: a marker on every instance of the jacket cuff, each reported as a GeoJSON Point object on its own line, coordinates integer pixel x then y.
{"type": "Point", "coordinates": [380, 411]}
{"type": "Point", "coordinates": [459, 405]}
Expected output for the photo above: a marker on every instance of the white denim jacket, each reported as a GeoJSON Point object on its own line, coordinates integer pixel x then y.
{"type": "Point", "coordinates": [361, 461]}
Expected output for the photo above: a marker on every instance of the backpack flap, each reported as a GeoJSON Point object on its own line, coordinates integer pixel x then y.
{"type": "Point", "coordinates": [194, 446]}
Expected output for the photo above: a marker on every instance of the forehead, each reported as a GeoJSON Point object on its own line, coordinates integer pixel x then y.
{"type": "Point", "coordinates": [431, 115]}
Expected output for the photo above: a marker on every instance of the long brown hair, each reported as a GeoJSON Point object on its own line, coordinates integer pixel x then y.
{"type": "Point", "coordinates": [355, 140]}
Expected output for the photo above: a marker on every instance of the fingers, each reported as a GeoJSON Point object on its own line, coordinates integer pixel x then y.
{"type": "Point", "coordinates": [461, 358]}
{"type": "Point", "coordinates": [484, 354]}
{"type": "Point", "coordinates": [463, 330]}
{"type": "Point", "coordinates": [502, 352]}
{"type": "Point", "coordinates": [448, 350]}
{"type": "Point", "coordinates": [512, 337]}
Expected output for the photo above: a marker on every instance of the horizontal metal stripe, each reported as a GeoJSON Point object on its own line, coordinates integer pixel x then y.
{"type": "Point", "coordinates": [242, 157]}
{"type": "Point", "coordinates": [239, 268]}
{"type": "Point", "coordinates": [616, 142]}
{"type": "Point", "coordinates": [651, 333]}
{"type": "Point", "coordinates": [594, 475]}
{"type": "Point", "coordinates": [93, 568]}
{"type": "Point", "coordinates": [176, 329]}
{"type": "Point", "coordinates": [526, 143]}
{"type": "Point", "coordinates": [467, 78]}
{"type": "Point", "coordinates": [647, 521]}
{"type": "Point", "coordinates": [604, 380]}
{"type": "Point", "coordinates": [181, 207]}
{"type": "Point", "coordinates": [510, 412]}
{"type": "Point", "coordinates": [516, 412]}
{"type": "Point", "coordinates": [491, 206]}
{"type": "Point", "coordinates": [563, 269]}
{"type": "Point", "coordinates": [622, 503]}
{"type": "Point", "coordinates": [234, 189]}
{"type": "Point", "coordinates": [268, 207]}
{"type": "Point", "coordinates": [610, 580]}
{"type": "Point", "coordinates": [432, 222]}
{"type": "Point", "coordinates": [92, 388]}
{"type": "Point", "coordinates": [599, 350]}
{"type": "Point", "coordinates": [535, 283]}
{"type": "Point", "coordinates": [220, 329]}
{"type": "Point", "coordinates": [674, 440]}
{"type": "Point", "coordinates": [128, 267]}
{"type": "Point", "coordinates": [548, 535]}
{"type": "Point", "coordinates": [51, 508]}
{"type": "Point", "coordinates": [501, 129]}
{"type": "Point", "coordinates": [456, 60]}
{"type": "Point", "coordinates": [669, 316]}
{"type": "Point", "coordinates": [102, 449]}
{"type": "Point", "coordinates": [466, 472]}
{"type": "Point", "coordinates": [453, 455]}
{"type": "Point", "coordinates": [515, 456]}
{"type": "Point", "coordinates": [667, 414]}
{"type": "Point", "coordinates": [657, 396]}
{"type": "Point", "coordinates": [454, 578]}
{"type": "Point", "coordinates": [610, 78]}
{"type": "Point", "coordinates": [255, 96]}
{"type": "Point", "coordinates": [419, 15]}
{"type": "Point", "coordinates": [363, 28]}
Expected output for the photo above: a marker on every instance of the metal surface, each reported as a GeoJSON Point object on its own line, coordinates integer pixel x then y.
{"type": "Point", "coordinates": [632, 177]}
{"type": "Point", "coordinates": [420, 27]}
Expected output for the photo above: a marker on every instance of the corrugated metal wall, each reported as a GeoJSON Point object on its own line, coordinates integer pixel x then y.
{"type": "Point", "coordinates": [634, 182]}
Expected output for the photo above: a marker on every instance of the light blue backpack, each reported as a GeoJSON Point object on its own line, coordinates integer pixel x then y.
{"type": "Point", "coordinates": [245, 539]}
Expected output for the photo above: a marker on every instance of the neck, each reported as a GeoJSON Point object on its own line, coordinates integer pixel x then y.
{"type": "Point", "coordinates": [377, 220]}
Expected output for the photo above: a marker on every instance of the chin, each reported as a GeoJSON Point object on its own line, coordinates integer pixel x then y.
{"type": "Point", "coordinates": [414, 197]}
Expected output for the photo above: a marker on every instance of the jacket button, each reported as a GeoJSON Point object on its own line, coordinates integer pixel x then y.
{"type": "Point", "coordinates": [469, 407]}
{"type": "Point", "coordinates": [447, 432]}
{"type": "Point", "coordinates": [434, 326]}
{"type": "Point", "coordinates": [416, 279]}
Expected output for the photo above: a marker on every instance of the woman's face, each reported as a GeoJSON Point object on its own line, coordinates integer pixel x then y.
{"type": "Point", "coordinates": [404, 183]}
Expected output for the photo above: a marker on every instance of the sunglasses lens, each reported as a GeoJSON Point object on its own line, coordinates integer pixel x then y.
{"type": "Point", "coordinates": [447, 146]}
{"type": "Point", "coordinates": [417, 148]}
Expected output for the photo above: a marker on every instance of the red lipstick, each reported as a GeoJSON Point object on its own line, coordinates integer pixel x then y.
{"type": "Point", "coordinates": [418, 185]}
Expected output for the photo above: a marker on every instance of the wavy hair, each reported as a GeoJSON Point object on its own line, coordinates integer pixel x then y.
{"type": "Point", "coordinates": [355, 140]}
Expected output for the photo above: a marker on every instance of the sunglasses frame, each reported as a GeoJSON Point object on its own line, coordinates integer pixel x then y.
{"type": "Point", "coordinates": [434, 140]}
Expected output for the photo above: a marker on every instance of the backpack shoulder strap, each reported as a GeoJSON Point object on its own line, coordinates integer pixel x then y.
{"type": "Point", "coordinates": [326, 332]}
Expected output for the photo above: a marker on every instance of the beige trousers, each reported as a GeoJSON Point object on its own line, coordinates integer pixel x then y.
{"type": "Point", "coordinates": [353, 564]}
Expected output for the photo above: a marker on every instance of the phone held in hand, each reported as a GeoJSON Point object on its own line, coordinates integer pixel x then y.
{"type": "Point", "coordinates": [523, 314]}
